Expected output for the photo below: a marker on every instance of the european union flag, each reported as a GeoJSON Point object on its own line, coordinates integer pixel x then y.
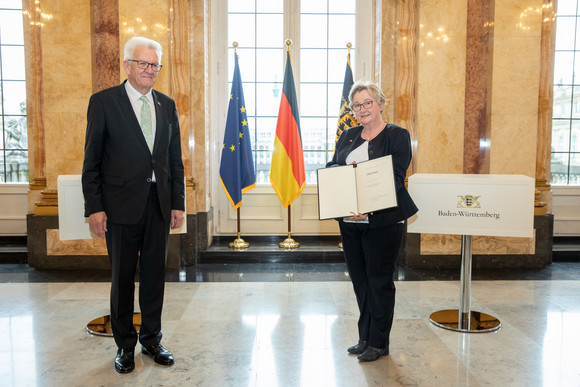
{"type": "Point", "coordinates": [237, 165]}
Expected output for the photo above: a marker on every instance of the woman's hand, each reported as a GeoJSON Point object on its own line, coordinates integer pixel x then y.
{"type": "Point", "coordinates": [359, 217]}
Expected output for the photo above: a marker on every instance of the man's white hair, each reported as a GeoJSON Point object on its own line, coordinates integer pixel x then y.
{"type": "Point", "coordinates": [139, 41]}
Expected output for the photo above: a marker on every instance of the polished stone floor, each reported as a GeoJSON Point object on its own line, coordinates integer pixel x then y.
{"type": "Point", "coordinates": [290, 324]}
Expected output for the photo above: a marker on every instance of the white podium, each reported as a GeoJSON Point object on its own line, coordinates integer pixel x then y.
{"type": "Point", "coordinates": [467, 205]}
{"type": "Point", "coordinates": [72, 223]}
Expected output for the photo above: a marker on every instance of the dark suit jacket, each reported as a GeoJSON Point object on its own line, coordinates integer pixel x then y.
{"type": "Point", "coordinates": [118, 165]}
{"type": "Point", "coordinates": [395, 141]}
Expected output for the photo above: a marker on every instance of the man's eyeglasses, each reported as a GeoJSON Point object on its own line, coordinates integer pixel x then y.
{"type": "Point", "coordinates": [367, 105]}
{"type": "Point", "coordinates": [143, 65]}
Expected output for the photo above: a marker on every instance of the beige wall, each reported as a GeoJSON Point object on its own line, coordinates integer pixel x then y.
{"type": "Point", "coordinates": [441, 86]}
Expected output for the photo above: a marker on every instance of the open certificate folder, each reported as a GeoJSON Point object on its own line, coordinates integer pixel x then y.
{"type": "Point", "coordinates": [361, 188]}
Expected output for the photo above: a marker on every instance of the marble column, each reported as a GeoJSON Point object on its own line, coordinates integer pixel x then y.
{"type": "Point", "coordinates": [105, 43]}
{"type": "Point", "coordinates": [478, 81]}
{"type": "Point", "coordinates": [545, 102]}
{"type": "Point", "coordinates": [406, 70]}
{"type": "Point", "coordinates": [34, 101]}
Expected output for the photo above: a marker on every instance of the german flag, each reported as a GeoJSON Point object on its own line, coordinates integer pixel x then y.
{"type": "Point", "coordinates": [287, 173]}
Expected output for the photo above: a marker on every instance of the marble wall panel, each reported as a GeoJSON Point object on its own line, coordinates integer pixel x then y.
{"type": "Point", "coordinates": [440, 145]}
{"type": "Point", "coordinates": [54, 246]}
{"type": "Point", "coordinates": [513, 144]}
{"type": "Point", "coordinates": [67, 82]}
{"type": "Point", "coordinates": [67, 136]}
{"type": "Point", "coordinates": [435, 244]}
{"type": "Point", "coordinates": [516, 74]}
{"type": "Point", "coordinates": [518, 18]}
{"type": "Point", "coordinates": [516, 80]}
{"type": "Point", "coordinates": [149, 19]}
{"type": "Point", "coordinates": [441, 86]}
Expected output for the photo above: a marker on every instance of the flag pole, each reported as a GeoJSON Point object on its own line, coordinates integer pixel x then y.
{"type": "Point", "coordinates": [234, 191]}
{"type": "Point", "coordinates": [239, 243]}
{"type": "Point", "coordinates": [348, 46]}
{"type": "Point", "coordinates": [289, 243]}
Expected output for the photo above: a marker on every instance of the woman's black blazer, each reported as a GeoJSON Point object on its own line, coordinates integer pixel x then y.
{"type": "Point", "coordinates": [395, 141]}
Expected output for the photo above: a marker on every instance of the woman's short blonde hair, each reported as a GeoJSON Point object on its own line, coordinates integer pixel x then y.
{"type": "Point", "coordinates": [371, 87]}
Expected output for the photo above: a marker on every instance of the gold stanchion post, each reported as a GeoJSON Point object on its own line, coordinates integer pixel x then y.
{"type": "Point", "coordinates": [289, 243]}
{"type": "Point", "coordinates": [239, 243]}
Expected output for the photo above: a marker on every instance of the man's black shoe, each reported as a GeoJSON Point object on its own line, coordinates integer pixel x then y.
{"type": "Point", "coordinates": [159, 354]}
{"type": "Point", "coordinates": [124, 362]}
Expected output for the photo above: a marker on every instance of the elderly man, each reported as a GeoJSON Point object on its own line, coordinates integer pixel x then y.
{"type": "Point", "coordinates": [134, 193]}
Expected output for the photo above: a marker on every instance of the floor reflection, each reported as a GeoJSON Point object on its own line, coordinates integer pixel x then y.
{"type": "Point", "coordinates": [289, 333]}
{"type": "Point", "coordinates": [263, 352]}
{"type": "Point", "coordinates": [561, 348]}
{"type": "Point", "coordinates": [18, 351]}
{"type": "Point", "coordinates": [317, 356]}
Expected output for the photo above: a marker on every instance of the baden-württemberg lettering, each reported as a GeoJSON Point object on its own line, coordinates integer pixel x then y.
{"type": "Point", "coordinates": [468, 214]}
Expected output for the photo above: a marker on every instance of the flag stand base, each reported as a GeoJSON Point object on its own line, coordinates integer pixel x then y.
{"type": "Point", "coordinates": [239, 243]}
{"type": "Point", "coordinates": [289, 243]}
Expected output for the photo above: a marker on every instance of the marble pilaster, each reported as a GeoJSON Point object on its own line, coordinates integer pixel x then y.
{"type": "Point", "coordinates": [516, 75]}
{"type": "Point", "coordinates": [543, 203]}
{"type": "Point", "coordinates": [478, 76]}
{"type": "Point", "coordinates": [407, 70]}
{"type": "Point", "coordinates": [105, 43]}
{"type": "Point", "coordinates": [34, 101]}
{"type": "Point", "coordinates": [441, 86]}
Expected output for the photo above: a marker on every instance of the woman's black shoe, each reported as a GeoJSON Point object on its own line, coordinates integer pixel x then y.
{"type": "Point", "coordinates": [372, 354]}
{"type": "Point", "coordinates": [358, 348]}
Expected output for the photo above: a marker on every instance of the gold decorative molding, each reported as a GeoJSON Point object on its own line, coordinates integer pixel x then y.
{"type": "Point", "coordinates": [54, 246]}
{"type": "Point", "coordinates": [37, 183]}
{"type": "Point", "coordinates": [48, 203]}
{"type": "Point", "coordinates": [190, 183]}
{"type": "Point", "coordinates": [540, 207]}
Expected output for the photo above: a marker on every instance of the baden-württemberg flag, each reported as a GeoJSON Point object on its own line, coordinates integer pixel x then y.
{"type": "Point", "coordinates": [287, 173]}
{"type": "Point", "coordinates": [345, 117]}
{"type": "Point", "coordinates": [237, 165]}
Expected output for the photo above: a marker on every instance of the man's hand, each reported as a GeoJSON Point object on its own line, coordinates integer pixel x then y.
{"type": "Point", "coordinates": [98, 224]}
{"type": "Point", "coordinates": [176, 219]}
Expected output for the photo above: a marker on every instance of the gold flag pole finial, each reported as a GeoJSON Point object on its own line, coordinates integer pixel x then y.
{"type": "Point", "coordinates": [288, 43]}
{"type": "Point", "coordinates": [349, 46]}
{"type": "Point", "coordinates": [235, 44]}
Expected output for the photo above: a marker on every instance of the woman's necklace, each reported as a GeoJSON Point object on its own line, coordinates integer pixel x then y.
{"type": "Point", "coordinates": [369, 137]}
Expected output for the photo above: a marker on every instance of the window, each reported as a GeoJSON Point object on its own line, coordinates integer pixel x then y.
{"type": "Point", "coordinates": [565, 162]}
{"type": "Point", "coordinates": [320, 30]}
{"type": "Point", "coordinates": [13, 143]}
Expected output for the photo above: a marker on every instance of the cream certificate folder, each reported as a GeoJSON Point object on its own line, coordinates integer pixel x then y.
{"type": "Point", "coordinates": [361, 188]}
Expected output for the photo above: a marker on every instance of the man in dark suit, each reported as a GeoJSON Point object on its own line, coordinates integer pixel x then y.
{"type": "Point", "coordinates": [134, 193]}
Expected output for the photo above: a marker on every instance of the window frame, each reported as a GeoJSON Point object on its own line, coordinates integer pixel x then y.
{"type": "Point", "coordinates": [565, 108]}
{"type": "Point", "coordinates": [5, 116]}
{"type": "Point", "coordinates": [262, 211]}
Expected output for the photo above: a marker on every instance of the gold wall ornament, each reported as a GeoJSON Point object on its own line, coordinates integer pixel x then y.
{"type": "Point", "coordinates": [48, 203]}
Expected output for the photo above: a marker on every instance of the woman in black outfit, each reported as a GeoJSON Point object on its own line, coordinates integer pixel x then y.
{"type": "Point", "coordinates": [371, 241]}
